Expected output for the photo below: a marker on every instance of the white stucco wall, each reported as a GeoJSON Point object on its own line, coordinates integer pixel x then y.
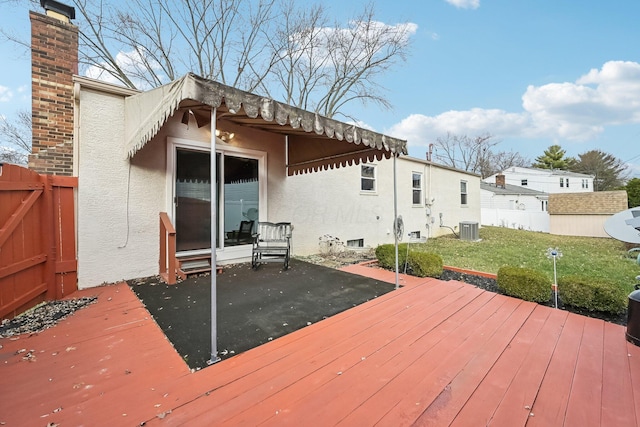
{"type": "Point", "coordinates": [119, 201]}
{"type": "Point", "coordinates": [331, 203]}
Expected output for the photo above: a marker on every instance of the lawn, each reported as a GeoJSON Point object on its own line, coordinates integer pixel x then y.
{"type": "Point", "coordinates": [599, 257]}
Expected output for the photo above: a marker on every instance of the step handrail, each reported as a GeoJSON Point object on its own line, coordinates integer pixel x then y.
{"type": "Point", "coordinates": [167, 250]}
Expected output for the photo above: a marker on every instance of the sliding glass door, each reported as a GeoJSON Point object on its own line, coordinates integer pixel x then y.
{"type": "Point", "coordinates": [238, 199]}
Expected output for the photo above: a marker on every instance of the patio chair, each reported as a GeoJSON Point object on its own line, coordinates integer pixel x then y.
{"type": "Point", "coordinates": [244, 234]}
{"type": "Point", "coordinates": [272, 243]}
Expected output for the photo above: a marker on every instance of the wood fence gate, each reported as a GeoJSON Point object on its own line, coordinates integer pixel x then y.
{"type": "Point", "coordinates": [37, 238]}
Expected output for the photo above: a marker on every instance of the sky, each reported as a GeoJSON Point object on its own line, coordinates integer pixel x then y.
{"type": "Point", "coordinates": [532, 73]}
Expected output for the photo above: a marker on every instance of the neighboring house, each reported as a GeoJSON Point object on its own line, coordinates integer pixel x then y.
{"type": "Point", "coordinates": [511, 206]}
{"type": "Point", "coordinates": [546, 180]}
{"type": "Point", "coordinates": [137, 154]}
{"type": "Point", "coordinates": [584, 214]}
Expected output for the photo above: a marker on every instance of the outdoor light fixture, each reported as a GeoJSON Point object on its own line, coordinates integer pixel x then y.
{"type": "Point", "coordinates": [202, 117]}
{"type": "Point", "coordinates": [224, 135]}
{"type": "Point", "coordinates": [58, 9]}
{"type": "Point", "coordinates": [554, 253]}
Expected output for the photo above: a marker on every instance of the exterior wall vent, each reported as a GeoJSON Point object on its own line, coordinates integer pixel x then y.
{"type": "Point", "coordinates": [469, 231]}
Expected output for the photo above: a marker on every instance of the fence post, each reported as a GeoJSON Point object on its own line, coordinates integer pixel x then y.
{"type": "Point", "coordinates": [48, 226]}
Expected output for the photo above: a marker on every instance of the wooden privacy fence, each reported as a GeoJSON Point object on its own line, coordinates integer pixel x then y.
{"type": "Point", "coordinates": [37, 238]}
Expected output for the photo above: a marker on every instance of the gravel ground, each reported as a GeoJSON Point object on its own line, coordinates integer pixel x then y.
{"type": "Point", "coordinates": [42, 316]}
{"type": "Point", "coordinates": [340, 259]}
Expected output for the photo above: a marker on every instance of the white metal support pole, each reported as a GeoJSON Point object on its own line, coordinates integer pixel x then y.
{"type": "Point", "coordinates": [555, 280]}
{"type": "Point", "coordinates": [214, 233]}
{"type": "Point", "coordinates": [395, 216]}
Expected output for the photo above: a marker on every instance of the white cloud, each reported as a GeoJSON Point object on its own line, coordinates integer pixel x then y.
{"type": "Point", "coordinates": [5, 94]}
{"type": "Point", "coordinates": [464, 4]}
{"type": "Point", "coordinates": [131, 63]}
{"type": "Point", "coordinates": [574, 111]}
{"type": "Point", "coordinates": [365, 36]}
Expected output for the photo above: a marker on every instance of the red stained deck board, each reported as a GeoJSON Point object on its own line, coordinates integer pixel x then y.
{"type": "Point", "coordinates": [84, 370]}
{"type": "Point", "coordinates": [585, 401]}
{"type": "Point", "coordinates": [342, 327]}
{"type": "Point", "coordinates": [484, 402]}
{"type": "Point", "coordinates": [516, 406]}
{"type": "Point", "coordinates": [450, 371]}
{"type": "Point", "coordinates": [551, 402]}
{"type": "Point", "coordinates": [304, 371]}
{"type": "Point", "coordinates": [413, 363]}
{"type": "Point", "coordinates": [371, 375]}
{"type": "Point", "coordinates": [453, 395]}
{"type": "Point", "coordinates": [633, 352]}
{"type": "Point", "coordinates": [617, 392]}
{"type": "Point", "coordinates": [417, 387]}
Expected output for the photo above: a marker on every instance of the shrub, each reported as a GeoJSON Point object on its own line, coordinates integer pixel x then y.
{"type": "Point", "coordinates": [524, 283]}
{"type": "Point", "coordinates": [421, 264]}
{"type": "Point", "coordinates": [424, 264]}
{"type": "Point", "coordinates": [386, 255]}
{"type": "Point", "coordinates": [591, 294]}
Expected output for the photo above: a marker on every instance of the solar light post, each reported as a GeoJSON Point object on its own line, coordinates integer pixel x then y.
{"type": "Point", "coordinates": [554, 254]}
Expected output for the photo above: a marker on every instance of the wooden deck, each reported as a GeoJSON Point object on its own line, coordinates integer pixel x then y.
{"type": "Point", "coordinates": [431, 353]}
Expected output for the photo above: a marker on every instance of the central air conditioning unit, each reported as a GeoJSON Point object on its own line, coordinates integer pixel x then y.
{"type": "Point", "coordinates": [469, 231]}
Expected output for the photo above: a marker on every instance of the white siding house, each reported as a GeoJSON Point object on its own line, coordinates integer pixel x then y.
{"type": "Point", "coordinates": [546, 180]}
{"type": "Point", "coordinates": [514, 207]}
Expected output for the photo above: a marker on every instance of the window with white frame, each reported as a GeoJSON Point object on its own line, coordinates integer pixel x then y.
{"type": "Point", "coordinates": [567, 182]}
{"type": "Point", "coordinates": [561, 182]}
{"type": "Point", "coordinates": [355, 243]}
{"type": "Point", "coordinates": [524, 182]}
{"type": "Point", "coordinates": [416, 185]}
{"type": "Point", "coordinates": [368, 178]}
{"type": "Point", "coordinates": [463, 193]}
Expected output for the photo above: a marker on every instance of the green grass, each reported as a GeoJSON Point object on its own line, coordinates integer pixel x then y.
{"type": "Point", "coordinates": [596, 257]}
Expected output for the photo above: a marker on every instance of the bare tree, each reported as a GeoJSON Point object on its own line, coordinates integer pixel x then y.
{"type": "Point", "coordinates": [357, 55]}
{"type": "Point", "coordinates": [15, 137]}
{"type": "Point", "coordinates": [298, 43]}
{"type": "Point", "coordinates": [146, 43]}
{"type": "Point", "coordinates": [464, 152]}
{"type": "Point", "coordinates": [503, 160]}
{"type": "Point", "coordinates": [476, 154]}
{"type": "Point", "coordinates": [285, 50]}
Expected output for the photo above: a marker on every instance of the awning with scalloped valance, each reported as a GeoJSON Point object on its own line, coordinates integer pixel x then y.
{"type": "Point", "coordinates": [314, 142]}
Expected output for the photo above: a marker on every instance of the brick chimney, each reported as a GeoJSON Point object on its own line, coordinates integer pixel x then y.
{"type": "Point", "coordinates": [54, 61]}
{"type": "Point", "coordinates": [500, 181]}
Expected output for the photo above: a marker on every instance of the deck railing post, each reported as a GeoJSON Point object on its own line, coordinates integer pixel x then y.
{"type": "Point", "coordinates": [167, 261]}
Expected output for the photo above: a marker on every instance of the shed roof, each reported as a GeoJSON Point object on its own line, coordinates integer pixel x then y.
{"type": "Point", "coordinates": [595, 203]}
{"type": "Point", "coordinates": [509, 189]}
